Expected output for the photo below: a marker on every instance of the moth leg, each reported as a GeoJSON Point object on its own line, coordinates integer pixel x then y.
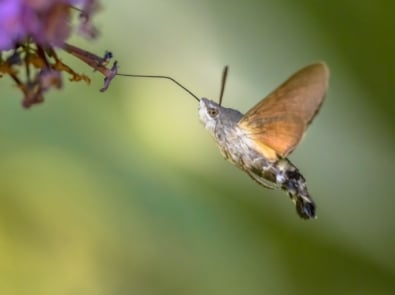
{"type": "Point", "coordinates": [262, 174]}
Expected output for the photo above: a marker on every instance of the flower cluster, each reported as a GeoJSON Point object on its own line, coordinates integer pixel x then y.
{"type": "Point", "coordinates": [31, 32]}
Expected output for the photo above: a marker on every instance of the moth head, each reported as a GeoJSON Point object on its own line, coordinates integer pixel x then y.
{"type": "Point", "coordinates": [209, 112]}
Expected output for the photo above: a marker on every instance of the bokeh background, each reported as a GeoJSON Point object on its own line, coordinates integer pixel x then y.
{"type": "Point", "coordinates": [124, 192]}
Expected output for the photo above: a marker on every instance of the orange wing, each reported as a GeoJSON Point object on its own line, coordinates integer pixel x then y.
{"type": "Point", "coordinates": [279, 121]}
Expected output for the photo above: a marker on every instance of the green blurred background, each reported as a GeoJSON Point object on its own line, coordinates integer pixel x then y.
{"type": "Point", "coordinates": [125, 192]}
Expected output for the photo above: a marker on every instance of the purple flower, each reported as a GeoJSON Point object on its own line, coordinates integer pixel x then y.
{"type": "Point", "coordinates": [31, 32]}
{"type": "Point", "coordinates": [11, 27]}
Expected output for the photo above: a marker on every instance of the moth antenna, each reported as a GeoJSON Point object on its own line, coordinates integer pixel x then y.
{"type": "Point", "coordinates": [162, 77]}
{"type": "Point", "coordinates": [223, 82]}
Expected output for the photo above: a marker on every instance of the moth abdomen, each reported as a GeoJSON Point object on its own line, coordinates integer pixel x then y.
{"type": "Point", "coordinates": [293, 182]}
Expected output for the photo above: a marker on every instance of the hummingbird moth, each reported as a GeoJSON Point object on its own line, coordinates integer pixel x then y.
{"type": "Point", "coordinates": [259, 141]}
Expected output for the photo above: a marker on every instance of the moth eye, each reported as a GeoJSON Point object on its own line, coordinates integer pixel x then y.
{"type": "Point", "coordinates": [212, 112]}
